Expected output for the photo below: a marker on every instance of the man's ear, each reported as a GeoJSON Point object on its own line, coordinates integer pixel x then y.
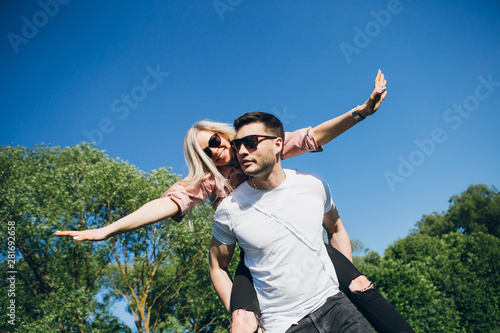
{"type": "Point", "coordinates": [279, 145]}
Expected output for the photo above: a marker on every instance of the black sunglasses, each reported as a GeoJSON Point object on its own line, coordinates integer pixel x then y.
{"type": "Point", "coordinates": [250, 141]}
{"type": "Point", "coordinates": [213, 142]}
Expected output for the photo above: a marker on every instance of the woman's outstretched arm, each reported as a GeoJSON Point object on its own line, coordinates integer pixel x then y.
{"type": "Point", "coordinates": [151, 212]}
{"type": "Point", "coordinates": [329, 130]}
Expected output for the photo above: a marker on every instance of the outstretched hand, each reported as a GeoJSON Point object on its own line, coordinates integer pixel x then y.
{"type": "Point", "coordinates": [377, 96]}
{"type": "Point", "coordinates": [85, 235]}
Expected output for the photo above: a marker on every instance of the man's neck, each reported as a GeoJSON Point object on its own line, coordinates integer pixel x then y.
{"type": "Point", "coordinates": [268, 181]}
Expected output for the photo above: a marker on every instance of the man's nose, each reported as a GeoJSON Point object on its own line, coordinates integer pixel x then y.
{"type": "Point", "coordinates": [243, 150]}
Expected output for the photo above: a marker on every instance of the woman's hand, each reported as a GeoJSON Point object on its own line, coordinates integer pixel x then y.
{"type": "Point", "coordinates": [330, 129]}
{"type": "Point", "coordinates": [85, 235]}
{"type": "Point", "coordinates": [378, 94]}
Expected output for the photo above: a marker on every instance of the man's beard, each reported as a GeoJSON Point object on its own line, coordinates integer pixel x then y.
{"type": "Point", "coordinates": [265, 163]}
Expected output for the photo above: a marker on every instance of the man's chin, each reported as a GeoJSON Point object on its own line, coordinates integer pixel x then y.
{"type": "Point", "coordinates": [249, 171]}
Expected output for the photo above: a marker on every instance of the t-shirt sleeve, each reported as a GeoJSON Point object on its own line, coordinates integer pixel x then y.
{"type": "Point", "coordinates": [300, 142]}
{"type": "Point", "coordinates": [186, 199]}
{"type": "Point", "coordinates": [222, 230]}
{"type": "Point", "coordinates": [328, 202]}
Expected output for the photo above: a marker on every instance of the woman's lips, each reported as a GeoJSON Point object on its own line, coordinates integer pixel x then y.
{"type": "Point", "coordinates": [221, 155]}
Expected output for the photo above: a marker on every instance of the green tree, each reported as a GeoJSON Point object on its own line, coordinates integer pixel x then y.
{"type": "Point", "coordinates": [476, 209]}
{"type": "Point", "coordinates": [445, 276]}
{"type": "Point", "coordinates": [157, 269]}
{"type": "Point", "coordinates": [162, 272]}
{"type": "Point", "coordinates": [442, 284]}
{"type": "Point", "coordinates": [41, 190]}
{"type": "Point", "coordinates": [358, 251]}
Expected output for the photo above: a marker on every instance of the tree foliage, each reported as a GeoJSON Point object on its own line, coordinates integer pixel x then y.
{"type": "Point", "coordinates": [476, 209]}
{"type": "Point", "coordinates": [445, 276]}
{"type": "Point", "coordinates": [161, 270]}
{"type": "Point", "coordinates": [43, 189]}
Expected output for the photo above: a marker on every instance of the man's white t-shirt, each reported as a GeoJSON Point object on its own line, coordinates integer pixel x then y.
{"type": "Point", "coordinates": [291, 270]}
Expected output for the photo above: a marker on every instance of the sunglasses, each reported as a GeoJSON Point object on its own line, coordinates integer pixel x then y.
{"type": "Point", "coordinates": [213, 142]}
{"type": "Point", "coordinates": [250, 141]}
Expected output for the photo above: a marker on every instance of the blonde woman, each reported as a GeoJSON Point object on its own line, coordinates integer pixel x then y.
{"type": "Point", "coordinates": [214, 172]}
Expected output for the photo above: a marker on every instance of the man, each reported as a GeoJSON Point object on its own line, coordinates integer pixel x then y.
{"type": "Point", "coordinates": [277, 218]}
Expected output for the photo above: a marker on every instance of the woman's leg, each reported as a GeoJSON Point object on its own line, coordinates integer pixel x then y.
{"type": "Point", "coordinates": [376, 309]}
{"type": "Point", "coordinates": [244, 305]}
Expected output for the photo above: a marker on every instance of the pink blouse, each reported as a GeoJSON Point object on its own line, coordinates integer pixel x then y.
{"type": "Point", "coordinates": [296, 143]}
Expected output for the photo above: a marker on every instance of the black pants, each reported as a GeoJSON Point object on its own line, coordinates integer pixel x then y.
{"type": "Point", "coordinates": [376, 309]}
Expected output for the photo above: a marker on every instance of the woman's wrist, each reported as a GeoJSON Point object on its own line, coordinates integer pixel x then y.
{"type": "Point", "coordinates": [107, 231]}
{"type": "Point", "coordinates": [362, 110]}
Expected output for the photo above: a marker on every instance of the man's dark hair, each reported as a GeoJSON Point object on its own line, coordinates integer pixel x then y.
{"type": "Point", "coordinates": [272, 124]}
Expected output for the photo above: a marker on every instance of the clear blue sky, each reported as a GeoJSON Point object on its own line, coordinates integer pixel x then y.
{"type": "Point", "coordinates": [68, 67]}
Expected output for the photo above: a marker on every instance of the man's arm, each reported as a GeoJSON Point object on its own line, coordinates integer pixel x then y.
{"type": "Point", "coordinates": [337, 235]}
{"type": "Point", "coordinates": [329, 130]}
{"type": "Point", "coordinates": [219, 258]}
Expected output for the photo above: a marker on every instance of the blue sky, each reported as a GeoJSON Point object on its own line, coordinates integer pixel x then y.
{"type": "Point", "coordinates": [134, 76]}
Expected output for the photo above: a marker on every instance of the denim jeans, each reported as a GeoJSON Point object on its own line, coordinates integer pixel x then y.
{"type": "Point", "coordinates": [337, 315]}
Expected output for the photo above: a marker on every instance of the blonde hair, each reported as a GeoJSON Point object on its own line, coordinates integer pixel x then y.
{"type": "Point", "coordinates": [200, 165]}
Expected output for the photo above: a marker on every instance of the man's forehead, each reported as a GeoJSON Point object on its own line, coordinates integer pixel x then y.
{"type": "Point", "coordinates": [250, 129]}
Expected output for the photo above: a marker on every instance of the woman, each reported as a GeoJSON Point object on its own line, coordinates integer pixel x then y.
{"type": "Point", "coordinates": [214, 172]}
